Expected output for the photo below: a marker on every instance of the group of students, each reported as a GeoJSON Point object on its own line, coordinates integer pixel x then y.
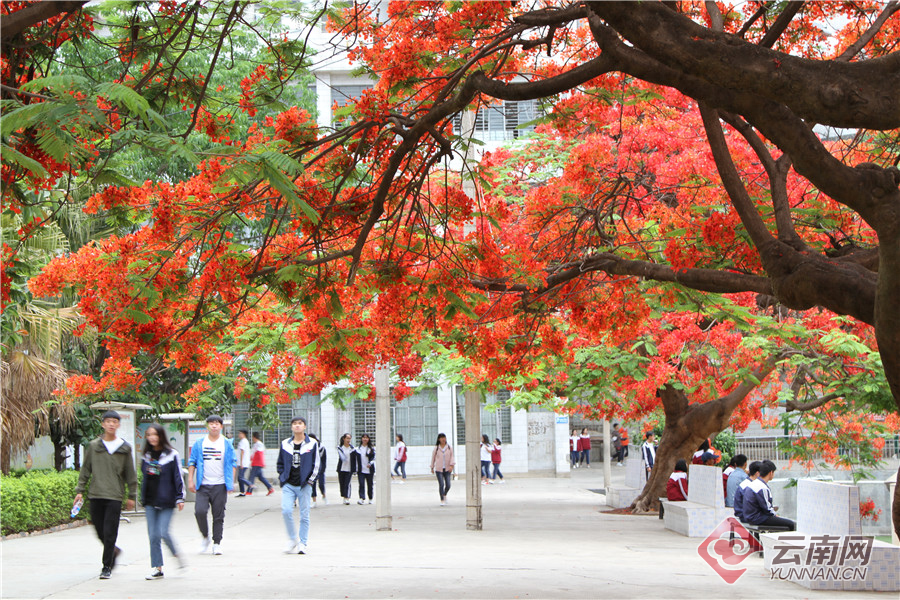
{"type": "Point", "coordinates": [746, 488]}
{"type": "Point", "coordinates": [580, 448]}
{"type": "Point", "coordinates": [213, 468]}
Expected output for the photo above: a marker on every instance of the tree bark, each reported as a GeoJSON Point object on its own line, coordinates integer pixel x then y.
{"type": "Point", "coordinates": [687, 425]}
{"type": "Point", "coordinates": [14, 23]}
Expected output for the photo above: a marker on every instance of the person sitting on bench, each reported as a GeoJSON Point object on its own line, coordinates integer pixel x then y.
{"type": "Point", "coordinates": [753, 473]}
{"type": "Point", "coordinates": [757, 501]}
{"type": "Point", "coordinates": [677, 486]}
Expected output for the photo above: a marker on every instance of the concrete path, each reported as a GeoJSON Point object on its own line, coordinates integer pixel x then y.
{"type": "Point", "coordinates": [542, 538]}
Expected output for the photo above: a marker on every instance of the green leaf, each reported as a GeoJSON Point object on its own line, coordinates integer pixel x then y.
{"type": "Point", "coordinates": [11, 155]}
{"type": "Point", "coordinates": [138, 316]}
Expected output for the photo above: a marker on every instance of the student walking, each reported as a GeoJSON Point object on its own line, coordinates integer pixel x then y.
{"type": "Point", "coordinates": [363, 464]}
{"type": "Point", "coordinates": [257, 463]}
{"type": "Point", "coordinates": [485, 450]}
{"type": "Point", "coordinates": [107, 468]}
{"type": "Point", "coordinates": [162, 490]}
{"type": "Point", "coordinates": [243, 462]}
{"type": "Point", "coordinates": [648, 453]}
{"type": "Point", "coordinates": [298, 467]}
{"type": "Point", "coordinates": [495, 461]}
{"type": "Point", "coordinates": [400, 459]}
{"type": "Point", "coordinates": [320, 478]}
{"type": "Point", "coordinates": [442, 464]}
{"type": "Point", "coordinates": [574, 445]}
{"type": "Point", "coordinates": [345, 467]}
{"type": "Point", "coordinates": [585, 441]}
{"type": "Point", "coordinates": [211, 474]}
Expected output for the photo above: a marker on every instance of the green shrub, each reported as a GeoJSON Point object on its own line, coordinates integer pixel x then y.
{"type": "Point", "coordinates": [37, 500]}
{"type": "Point", "coordinates": [726, 443]}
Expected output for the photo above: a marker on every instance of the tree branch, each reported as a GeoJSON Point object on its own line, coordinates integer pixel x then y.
{"type": "Point", "coordinates": [854, 48]}
{"type": "Point", "coordinates": [840, 94]}
{"type": "Point", "coordinates": [792, 405]}
{"type": "Point", "coordinates": [14, 23]}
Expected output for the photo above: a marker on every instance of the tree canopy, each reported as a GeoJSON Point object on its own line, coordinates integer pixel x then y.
{"type": "Point", "coordinates": [689, 151]}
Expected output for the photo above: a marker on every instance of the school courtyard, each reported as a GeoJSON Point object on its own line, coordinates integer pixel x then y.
{"type": "Point", "coordinates": [542, 538]}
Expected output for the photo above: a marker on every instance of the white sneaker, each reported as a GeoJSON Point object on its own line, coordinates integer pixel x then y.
{"type": "Point", "coordinates": [360, 501]}
{"type": "Point", "coordinates": [217, 549]}
{"type": "Point", "coordinates": [346, 500]}
{"type": "Point", "coordinates": [313, 505]}
{"type": "Point", "coordinates": [291, 547]}
{"type": "Point", "coordinates": [324, 500]}
{"type": "Point", "coordinates": [154, 575]}
{"type": "Point", "coordinates": [370, 502]}
{"type": "Point", "coordinates": [301, 548]}
{"type": "Point", "coordinates": [204, 545]}
{"type": "Point", "coordinates": [402, 482]}
{"type": "Point", "coordinates": [443, 503]}
{"type": "Point", "coordinates": [181, 563]}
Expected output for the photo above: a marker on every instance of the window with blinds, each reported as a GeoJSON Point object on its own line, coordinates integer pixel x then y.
{"type": "Point", "coordinates": [496, 417]}
{"type": "Point", "coordinates": [505, 121]}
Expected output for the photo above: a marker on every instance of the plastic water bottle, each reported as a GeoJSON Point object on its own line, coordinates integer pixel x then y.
{"type": "Point", "coordinates": [76, 508]}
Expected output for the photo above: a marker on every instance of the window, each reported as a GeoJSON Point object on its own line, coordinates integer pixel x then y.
{"type": "Point", "coordinates": [363, 421]}
{"type": "Point", "coordinates": [307, 406]}
{"type": "Point", "coordinates": [500, 122]}
{"type": "Point", "coordinates": [342, 95]}
{"type": "Point", "coordinates": [416, 418]}
{"type": "Point", "coordinates": [496, 421]}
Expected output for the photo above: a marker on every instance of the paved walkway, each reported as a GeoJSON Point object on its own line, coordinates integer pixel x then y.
{"type": "Point", "coordinates": [542, 538]}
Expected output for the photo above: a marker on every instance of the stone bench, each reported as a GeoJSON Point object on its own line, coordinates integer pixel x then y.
{"type": "Point", "coordinates": [621, 497]}
{"type": "Point", "coordinates": [828, 550]}
{"type": "Point", "coordinates": [705, 507]}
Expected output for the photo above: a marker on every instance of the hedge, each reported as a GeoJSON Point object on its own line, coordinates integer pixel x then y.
{"type": "Point", "coordinates": [37, 500]}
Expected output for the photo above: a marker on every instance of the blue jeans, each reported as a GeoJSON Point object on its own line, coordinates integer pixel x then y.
{"type": "Point", "coordinates": [303, 495]}
{"type": "Point", "coordinates": [486, 469]}
{"type": "Point", "coordinates": [496, 472]}
{"type": "Point", "coordinates": [586, 456]}
{"type": "Point", "coordinates": [400, 467]}
{"type": "Point", "coordinates": [241, 481]}
{"type": "Point", "coordinates": [443, 478]}
{"type": "Point", "coordinates": [158, 529]}
{"type": "Point", "coordinates": [573, 456]}
{"type": "Point", "coordinates": [258, 472]}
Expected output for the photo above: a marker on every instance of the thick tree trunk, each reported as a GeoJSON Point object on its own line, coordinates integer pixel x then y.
{"type": "Point", "coordinates": [687, 425]}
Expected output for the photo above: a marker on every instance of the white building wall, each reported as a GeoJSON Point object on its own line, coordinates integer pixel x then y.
{"type": "Point", "coordinates": [515, 454]}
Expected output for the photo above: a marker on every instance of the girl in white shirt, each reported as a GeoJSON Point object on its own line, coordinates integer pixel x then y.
{"type": "Point", "coordinates": [345, 467]}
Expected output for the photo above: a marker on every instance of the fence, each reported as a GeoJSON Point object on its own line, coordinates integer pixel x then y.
{"type": "Point", "coordinates": [773, 448]}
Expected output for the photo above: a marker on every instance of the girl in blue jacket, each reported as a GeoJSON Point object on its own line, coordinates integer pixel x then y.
{"type": "Point", "coordinates": [161, 491]}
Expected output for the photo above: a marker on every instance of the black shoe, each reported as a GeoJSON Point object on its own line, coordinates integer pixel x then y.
{"type": "Point", "coordinates": [105, 573]}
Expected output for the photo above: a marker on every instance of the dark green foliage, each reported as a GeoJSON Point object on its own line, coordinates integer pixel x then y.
{"type": "Point", "coordinates": [38, 500]}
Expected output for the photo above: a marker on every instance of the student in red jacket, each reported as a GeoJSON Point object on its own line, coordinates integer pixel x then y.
{"type": "Point", "coordinates": [585, 441]}
{"type": "Point", "coordinates": [677, 486]}
{"type": "Point", "coordinates": [495, 461]}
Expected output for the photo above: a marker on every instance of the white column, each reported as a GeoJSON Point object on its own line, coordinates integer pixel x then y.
{"type": "Point", "coordinates": [383, 456]}
{"type": "Point", "coordinates": [607, 462]}
{"type": "Point", "coordinates": [473, 460]}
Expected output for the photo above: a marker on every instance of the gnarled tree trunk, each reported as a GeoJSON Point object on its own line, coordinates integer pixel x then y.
{"type": "Point", "coordinates": [687, 425]}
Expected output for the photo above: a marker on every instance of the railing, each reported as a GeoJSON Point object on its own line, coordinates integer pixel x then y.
{"type": "Point", "coordinates": [761, 448]}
